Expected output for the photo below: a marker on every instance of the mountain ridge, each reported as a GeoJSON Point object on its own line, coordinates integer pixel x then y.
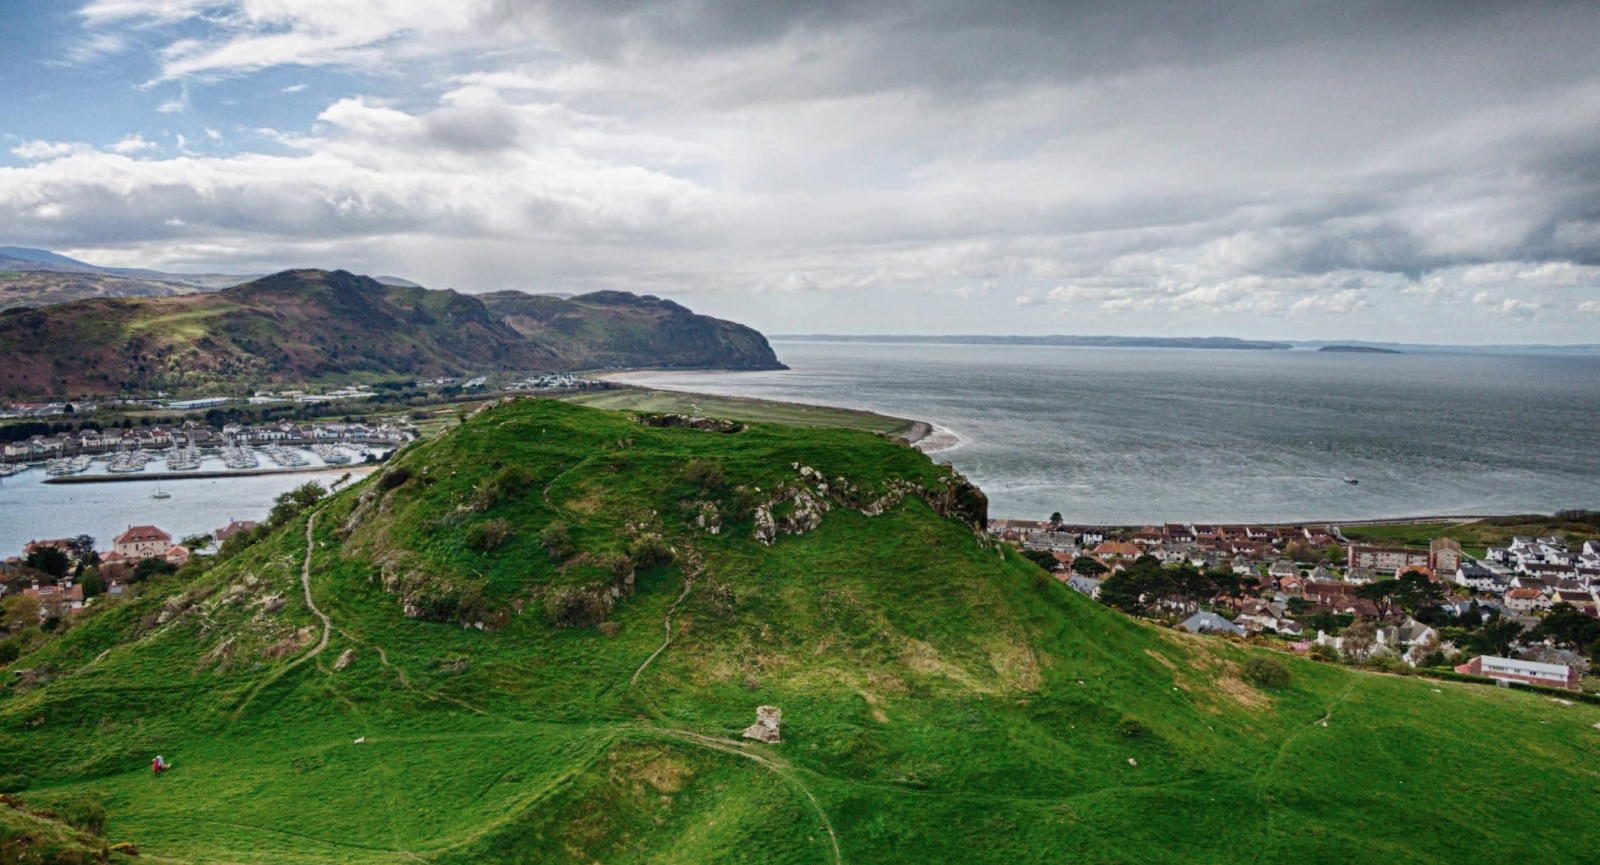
{"type": "Point", "coordinates": [308, 325]}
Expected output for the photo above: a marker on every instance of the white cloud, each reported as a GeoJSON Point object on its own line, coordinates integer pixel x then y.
{"type": "Point", "coordinates": [133, 144]}
{"type": "Point", "coordinates": [39, 150]}
{"type": "Point", "coordinates": [171, 106]}
{"type": "Point", "coordinates": [293, 88]}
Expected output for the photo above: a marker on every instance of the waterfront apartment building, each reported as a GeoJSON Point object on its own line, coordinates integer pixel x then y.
{"type": "Point", "coordinates": [1389, 559]}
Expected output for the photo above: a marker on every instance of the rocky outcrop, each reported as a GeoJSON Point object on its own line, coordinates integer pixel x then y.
{"type": "Point", "coordinates": [765, 729]}
{"type": "Point", "coordinates": [681, 421]}
{"type": "Point", "coordinates": [797, 507]}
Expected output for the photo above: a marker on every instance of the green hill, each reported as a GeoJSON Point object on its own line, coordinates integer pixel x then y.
{"type": "Point", "coordinates": [309, 325]}
{"type": "Point", "coordinates": [615, 329]}
{"type": "Point", "coordinates": [492, 683]}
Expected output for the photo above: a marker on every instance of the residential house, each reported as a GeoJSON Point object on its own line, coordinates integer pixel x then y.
{"type": "Point", "coordinates": [141, 542]}
{"type": "Point", "coordinates": [1475, 576]}
{"type": "Point", "coordinates": [1360, 576]}
{"type": "Point", "coordinates": [1515, 670]}
{"type": "Point", "coordinates": [1116, 549]}
{"type": "Point", "coordinates": [1085, 585]}
{"type": "Point", "coordinates": [1210, 623]}
{"type": "Point", "coordinates": [233, 528]}
{"type": "Point", "coordinates": [1527, 600]}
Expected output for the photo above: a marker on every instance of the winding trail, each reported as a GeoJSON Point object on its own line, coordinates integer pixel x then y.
{"type": "Point", "coordinates": [327, 623]}
{"type": "Point", "coordinates": [776, 766]}
{"type": "Point", "coordinates": [305, 583]}
{"type": "Point", "coordinates": [694, 569]}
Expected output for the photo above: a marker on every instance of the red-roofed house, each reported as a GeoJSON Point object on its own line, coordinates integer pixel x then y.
{"type": "Point", "coordinates": [142, 542]}
{"type": "Point", "coordinates": [1114, 549]}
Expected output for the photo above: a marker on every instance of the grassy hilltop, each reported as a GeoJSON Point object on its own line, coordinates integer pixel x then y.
{"type": "Point", "coordinates": [943, 700]}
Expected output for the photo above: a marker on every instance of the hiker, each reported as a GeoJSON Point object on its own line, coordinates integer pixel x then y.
{"type": "Point", "coordinates": [158, 765]}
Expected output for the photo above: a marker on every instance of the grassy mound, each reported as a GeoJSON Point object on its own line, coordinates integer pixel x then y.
{"type": "Point", "coordinates": [494, 683]}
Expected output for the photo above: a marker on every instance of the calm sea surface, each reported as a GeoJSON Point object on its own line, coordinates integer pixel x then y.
{"type": "Point", "coordinates": [31, 509]}
{"type": "Point", "coordinates": [1120, 435]}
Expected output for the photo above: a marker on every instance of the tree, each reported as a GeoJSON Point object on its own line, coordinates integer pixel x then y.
{"type": "Point", "coordinates": [49, 560]}
{"type": "Point", "coordinates": [292, 503]}
{"type": "Point", "coordinates": [20, 611]}
{"type": "Point", "coordinates": [196, 542]}
{"type": "Point", "coordinates": [1041, 558]}
{"type": "Point", "coordinates": [1335, 553]}
{"type": "Point", "coordinates": [91, 581]}
{"type": "Point", "coordinates": [1568, 627]}
{"type": "Point", "coordinates": [1381, 594]}
{"type": "Point", "coordinates": [1359, 639]}
{"type": "Point", "coordinates": [1414, 591]}
{"type": "Point", "coordinates": [82, 548]}
{"type": "Point", "coordinates": [1494, 638]}
{"type": "Point", "coordinates": [1055, 518]}
{"type": "Point", "coordinates": [151, 567]}
{"type": "Point", "coordinates": [1301, 551]}
{"type": "Point", "coordinates": [1088, 566]}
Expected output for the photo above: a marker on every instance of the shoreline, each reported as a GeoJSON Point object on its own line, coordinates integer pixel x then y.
{"type": "Point", "coordinates": [1461, 519]}
{"type": "Point", "coordinates": [917, 431]}
{"type": "Point", "coordinates": [353, 468]}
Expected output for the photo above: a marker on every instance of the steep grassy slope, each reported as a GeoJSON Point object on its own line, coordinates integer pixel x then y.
{"type": "Point", "coordinates": [943, 700]}
{"type": "Point", "coordinates": [608, 329]}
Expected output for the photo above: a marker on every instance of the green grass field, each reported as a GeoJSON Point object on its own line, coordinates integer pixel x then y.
{"type": "Point", "coordinates": [943, 700]}
{"type": "Point", "coordinates": [1474, 535]}
{"type": "Point", "coordinates": [739, 409]}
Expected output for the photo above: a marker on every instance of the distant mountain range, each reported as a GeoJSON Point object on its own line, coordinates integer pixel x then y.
{"type": "Point", "coordinates": [310, 325]}
{"type": "Point", "coordinates": [39, 277]}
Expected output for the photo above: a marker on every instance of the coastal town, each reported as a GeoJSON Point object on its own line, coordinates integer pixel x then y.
{"type": "Point", "coordinates": [62, 577]}
{"type": "Point", "coordinates": [1313, 589]}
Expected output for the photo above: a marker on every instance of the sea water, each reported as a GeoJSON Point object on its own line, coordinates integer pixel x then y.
{"type": "Point", "coordinates": [1133, 436]}
{"type": "Point", "coordinates": [31, 509]}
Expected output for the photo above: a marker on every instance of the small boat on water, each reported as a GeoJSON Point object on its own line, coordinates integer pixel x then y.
{"type": "Point", "coordinates": [160, 494]}
{"type": "Point", "coordinates": [1350, 480]}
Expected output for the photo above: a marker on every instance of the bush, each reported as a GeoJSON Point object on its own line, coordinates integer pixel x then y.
{"type": "Point", "coordinates": [84, 810]}
{"type": "Point", "coordinates": [1267, 672]}
{"type": "Point", "coordinates": [14, 783]}
{"type": "Point", "coordinates": [557, 542]}
{"type": "Point", "coordinates": [1131, 729]}
{"type": "Point", "coordinates": [485, 537]}
{"type": "Point", "coordinates": [649, 553]}
{"type": "Point", "coordinates": [500, 486]}
{"type": "Point", "coordinates": [706, 475]}
{"type": "Point", "coordinates": [394, 477]}
{"type": "Point", "coordinates": [9, 652]}
{"type": "Point", "coordinates": [1325, 653]}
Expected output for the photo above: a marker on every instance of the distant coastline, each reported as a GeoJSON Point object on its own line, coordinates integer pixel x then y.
{"type": "Point", "coordinates": [1182, 342]}
{"type": "Point", "coordinates": [1359, 349]}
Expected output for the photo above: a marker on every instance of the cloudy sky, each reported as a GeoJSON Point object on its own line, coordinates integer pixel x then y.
{"type": "Point", "coordinates": [1421, 171]}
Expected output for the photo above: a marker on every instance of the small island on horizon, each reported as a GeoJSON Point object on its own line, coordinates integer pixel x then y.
{"type": "Point", "coordinates": [1359, 349]}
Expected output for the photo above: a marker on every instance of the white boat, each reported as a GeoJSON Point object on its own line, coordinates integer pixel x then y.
{"type": "Point", "coordinates": [1350, 480]}
{"type": "Point", "coordinates": [160, 494]}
